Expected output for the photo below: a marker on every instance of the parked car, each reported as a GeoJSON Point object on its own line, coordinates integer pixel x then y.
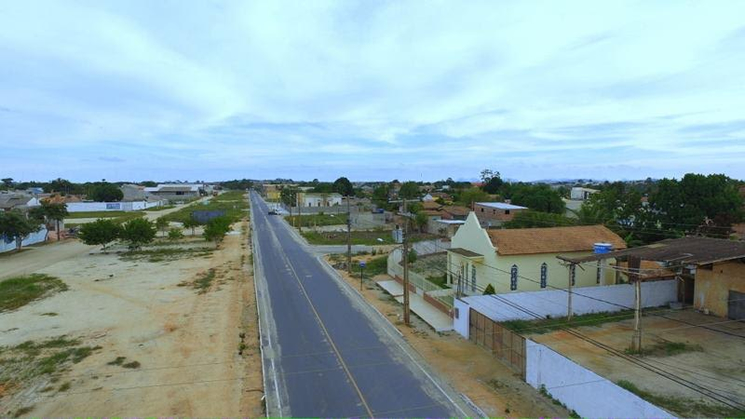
{"type": "Point", "coordinates": [273, 212]}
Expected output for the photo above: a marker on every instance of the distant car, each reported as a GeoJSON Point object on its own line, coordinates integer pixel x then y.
{"type": "Point", "coordinates": [273, 212]}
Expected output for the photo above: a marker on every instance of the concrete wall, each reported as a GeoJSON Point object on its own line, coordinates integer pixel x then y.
{"type": "Point", "coordinates": [461, 314]}
{"type": "Point", "coordinates": [33, 238]}
{"type": "Point", "coordinates": [111, 206]}
{"type": "Point", "coordinates": [474, 238]}
{"type": "Point", "coordinates": [580, 389]}
{"type": "Point", "coordinates": [553, 303]}
{"type": "Point", "coordinates": [711, 289]}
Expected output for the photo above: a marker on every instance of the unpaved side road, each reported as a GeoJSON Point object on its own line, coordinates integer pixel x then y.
{"type": "Point", "coordinates": [196, 349]}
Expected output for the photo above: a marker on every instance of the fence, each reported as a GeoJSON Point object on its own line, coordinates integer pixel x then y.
{"type": "Point", "coordinates": [111, 206]}
{"type": "Point", "coordinates": [580, 389]}
{"type": "Point", "coordinates": [505, 344]}
{"type": "Point", "coordinates": [33, 238]}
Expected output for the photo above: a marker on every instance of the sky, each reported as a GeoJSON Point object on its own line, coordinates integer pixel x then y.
{"type": "Point", "coordinates": [371, 90]}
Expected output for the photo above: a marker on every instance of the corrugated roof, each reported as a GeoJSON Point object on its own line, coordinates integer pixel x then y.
{"type": "Point", "coordinates": [526, 241]}
{"type": "Point", "coordinates": [500, 205]}
{"type": "Point", "coordinates": [686, 250]}
{"type": "Point", "coordinates": [456, 210]}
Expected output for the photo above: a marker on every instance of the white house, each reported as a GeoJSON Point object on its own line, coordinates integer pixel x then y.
{"type": "Point", "coordinates": [524, 259]}
{"type": "Point", "coordinates": [308, 199]}
{"type": "Point", "coordinates": [582, 194]}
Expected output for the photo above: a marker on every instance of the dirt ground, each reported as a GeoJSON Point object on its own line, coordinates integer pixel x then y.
{"type": "Point", "coordinates": [715, 357]}
{"type": "Point", "coordinates": [470, 369]}
{"type": "Point", "coordinates": [186, 339]}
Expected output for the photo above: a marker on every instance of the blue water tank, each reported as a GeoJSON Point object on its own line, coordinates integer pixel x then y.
{"type": "Point", "coordinates": [602, 247]}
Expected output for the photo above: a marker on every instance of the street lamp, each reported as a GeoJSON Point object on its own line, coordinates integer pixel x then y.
{"type": "Point", "coordinates": [362, 272]}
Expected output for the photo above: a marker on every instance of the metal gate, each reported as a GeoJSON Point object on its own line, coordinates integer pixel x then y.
{"type": "Point", "coordinates": [505, 344]}
{"type": "Point", "coordinates": [736, 305]}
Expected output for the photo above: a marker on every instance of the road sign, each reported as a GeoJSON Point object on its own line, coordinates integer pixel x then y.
{"type": "Point", "coordinates": [362, 264]}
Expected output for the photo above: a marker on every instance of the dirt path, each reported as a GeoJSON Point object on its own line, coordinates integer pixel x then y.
{"type": "Point", "coordinates": [34, 258]}
{"type": "Point", "coordinates": [471, 370]}
{"type": "Point", "coordinates": [197, 349]}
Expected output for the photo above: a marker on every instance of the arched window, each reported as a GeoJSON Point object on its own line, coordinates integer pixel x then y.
{"type": "Point", "coordinates": [544, 274]}
{"type": "Point", "coordinates": [473, 278]}
{"type": "Point", "coordinates": [513, 278]}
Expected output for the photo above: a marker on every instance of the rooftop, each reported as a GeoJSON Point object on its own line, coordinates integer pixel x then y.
{"type": "Point", "coordinates": [686, 250]}
{"type": "Point", "coordinates": [526, 241]}
{"type": "Point", "coordinates": [500, 205]}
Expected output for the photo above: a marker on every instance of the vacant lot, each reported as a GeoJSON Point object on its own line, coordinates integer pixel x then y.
{"type": "Point", "coordinates": [77, 218]}
{"type": "Point", "coordinates": [317, 220]}
{"type": "Point", "coordinates": [705, 350]}
{"type": "Point", "coordinates": [163, 333]}
{"type": "Point", "coordinates": [233, 203]}
{"type": "Point", "coordinates": [369, 238]}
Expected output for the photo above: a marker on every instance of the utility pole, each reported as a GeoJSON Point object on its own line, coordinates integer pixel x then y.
{"type": "Point", "coordinates": [406, 265]}
{"type": "Point", "coordinates": [349, 238]}
{"type": "Point", "coordinates": [572, 267]}
{"type": "Point", "coordinates": [635, 263]}
{"type": "Point", "coordinates": [299, 208]}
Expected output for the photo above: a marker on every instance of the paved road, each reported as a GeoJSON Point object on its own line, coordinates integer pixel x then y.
{"type": "Point", "coordinates": [326, 352]}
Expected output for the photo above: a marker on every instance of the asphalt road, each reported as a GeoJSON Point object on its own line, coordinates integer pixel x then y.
{"type": "Point", "coordinates": [325, 353]}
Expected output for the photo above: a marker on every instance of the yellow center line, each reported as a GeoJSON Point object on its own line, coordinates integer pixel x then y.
{"type": "Point", "coordinates": [328, 336]}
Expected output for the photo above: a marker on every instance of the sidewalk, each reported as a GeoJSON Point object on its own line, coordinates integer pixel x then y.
{"type": "Point", "coordinates": [440, 321]}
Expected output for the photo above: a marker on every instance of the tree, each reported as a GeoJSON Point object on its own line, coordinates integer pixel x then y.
{"type": "Point", "coordinates": [7, 182]}
{"type": "Point", "coordinates": [49, 211]}
{"type": "Point", "coordinates": [175, 234]}
{"type": "Point", "coordinates": [105, 192]}
{"type": "Point", "coordinates": [62, 186]}
{"type": "Point", "coordinates": [343, 186]}
{"type": "Point", "coordinates": [409, 190]}
{"type": "Point", "coordinates": [471, 195]}
{"type": "Point", "coordinates": [288, 196]}
{"type": "Point", "coordinates": [420, 220]}
{"type": "Point", "coordinates": [137, 232]}
{"type": "Point", "coordinates": [161, 224]}
{"type": "Point", "coordinates": [14, 226]}
{"type": "Point", "coordinates": [412, 256]}
{"type": "Point", "coordinates": [536, 219]}
{"type": "Point", "coordinates": [493, 185]}
{"type": "Point", "coordinates": [536, 197]}
{"type": "Point", "coordinates": [380, 195]}
{"type": "Point", "coordinates": [192, 224]}
{"type": "Point", "coordinates": [99, 233]}
{"type": "Point", "coordinates": [216, 229]}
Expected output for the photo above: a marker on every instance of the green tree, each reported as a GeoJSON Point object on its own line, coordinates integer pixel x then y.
{"type": "Point", "coordinates": [105, 192]}
{"type": "Point", "coordinates": [537, 197]}
{"type": "Point", "coordinates": [409, 190]}
{"type": "Point", "coordinates": [48, 212]}
{"type": "Point", "coordinates": [14, 226]}
{"type": "Point", "coordinates": [380, 195]}
{"type": "Point", "coordinates": [161, 224]}
{"type": "Point", "coordinates": [99, 233]}
{"type": "Point", "coordinates": [216, 229]}
{"type": "Point", "coordinates": [137, 232]}
{"type": "Point", "coordinates": [536, 219]}
{"type": "Point", "coordinates": [492, 181]}
{"type": "Point", "coordinates": [323, 187]}
{"type": "Point", "coordinates": [288, 196]}
{"type": "Point", "coordinates": [191, 223]}
{"type": "Point", "coordinates": [175, 234]}
{"type": "Point", "coordinates": [412, 256]}
{"type": "Point", "coordinates": [420, 221]}
{"type": "Point", "coordinates": [343, 186]}
{"type": "Point", "coordinates": [63, 186]}
{"type": "Point", "coordinates": [468, 196]}
{"type": "Point", "coordinates": [7, 182]}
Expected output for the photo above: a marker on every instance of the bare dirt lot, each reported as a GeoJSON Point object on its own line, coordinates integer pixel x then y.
{"type": "Point", "coordinates": [707, 350]}
{"type": "Point", "coordinates": [162, 333]}
{"type": "Point", "coordinates": [470, 369]}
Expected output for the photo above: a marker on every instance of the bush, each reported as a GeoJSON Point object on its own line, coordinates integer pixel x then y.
{"type": "Point", "coordinates": [137, 232]}
{"type": "Point", "coordinates": [217, 228]}
{"type": "Point", "coordinates": [175, 234]}
{"type": "Point", "coordinates": [100, 232]}
{"type": "Point", "coordinates": [412, 256]}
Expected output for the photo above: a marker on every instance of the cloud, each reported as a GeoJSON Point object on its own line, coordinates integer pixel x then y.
{"type": "Point", "coordinates": [371, 90]}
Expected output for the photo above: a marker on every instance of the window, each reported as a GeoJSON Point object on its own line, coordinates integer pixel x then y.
{"type": "Point", "coordinates": [482, 210]}
{"type": "Point", "coordinates": [513, 278]}
{"type": "Point", "coordinates": [573, 273]}
{"type": "Point", "coordinates": [507, 212]}
{"type": "Point", "coordinates": [597, 276]}
{"type": "Point", "coordinates": [493, 211]}
{"type": "Point", "coordinates": [544, 274]}
{"type": "Point", "coordinates": [473, 278]}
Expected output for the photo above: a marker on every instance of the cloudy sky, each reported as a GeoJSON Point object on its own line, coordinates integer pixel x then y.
{"type": "Point", "coordinates": [135, 90]}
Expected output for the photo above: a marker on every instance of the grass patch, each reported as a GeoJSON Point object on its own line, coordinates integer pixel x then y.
{"type": "Point", "coordinates": [96, 214]}
{"type": "Point", "coordinates": [374, 266]}
{"type": "Point", "coordinates": [18, 291]}
{"type": "Point", "coordinates": [203, 281]}
{"type": "Point", "coordinates": [23, 411]}
{"type": "Point", "coordinates": [118, 361]}
{"type": "Point", "coordinates": [683, 407]}
{"type": "Point", "coordinates": [161, 208]}
{"type": "Point", "coordinates": [166, 253]}
{"type": "Point", "coordinates": [556, 323]}
{"type": "Point", "coordinates": [64, 387]}
{"type": "Point", "coordinates": [666, 348]}
{"type": "Point", "coordinates": [131, 365]}
{"type": "Point", "coordinates": [233, 203]}
{"type": "Point", "coordinates": [312, 220]}
{"type": "Point", "coordinates": [545, 393]}
{"type": "Point", "coordinates": [50, 314]}
{"type": "Point", "coordinates": [366, 238]}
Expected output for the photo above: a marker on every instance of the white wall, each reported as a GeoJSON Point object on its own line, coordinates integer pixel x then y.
{"type": "Point", "coordinates": [586, 300]}
{"type": "Point", "coordinates": [110, 206]}
{"type": "Point", "coordinates": [32, 238]}
{"type": "Point", "coordinates": [580, 389]}
{"type": "Point", "coordinates": [460, 323]}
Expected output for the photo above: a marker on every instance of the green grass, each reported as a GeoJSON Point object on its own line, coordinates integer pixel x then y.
{"type": "Point", "coordinates": [18, 291]}
{"type": "Point", "coordinates": [160, 208]}
{"type": "Point", "coordinates": [556, 323]}
{"type": "Point", "coordinates": [118, 217]}
{"type": "Point", "coordinates": [118, 361]}
{"type": "Point", "coordinates": [684, 407]}
{"type": "Point", "coordinates": [166, 253]}
{"type": "Point", "coordinates": [204, 281]}
{"type": "Point", "coordinates": [368, 238]}
{"type": "Point", "coordinates": [234, 204]}
{"type": "Point", "coordinates": [375, 266]}
{"type": "Point", "coordinates": [317, 220]}
{"type": "Point", "coordinates": [667, 348]}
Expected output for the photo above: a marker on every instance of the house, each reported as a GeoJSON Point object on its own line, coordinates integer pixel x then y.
{"type": "Point", "coordinates": [479, 257]}
{"type": "Point", "coordinates": [310, 199]}
{"type": "Point", "coordinates": [496, 213]}
{"type": "Point", "coordinates": [455, 212]}
{"type": "Point", "coordinates": [133, 193]}
{"type": "Point", "coordinates": [443, 227]}
{"type": "Point", "coordinates": [175, 192]}
{"type": "Point", "coordinates": [711, 271]}
{"type": "Point", "coordinates": [17, 201]}
{"type": "Point", "coordinates": [581, 194]}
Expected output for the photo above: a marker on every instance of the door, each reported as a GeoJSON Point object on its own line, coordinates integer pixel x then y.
{"type": "Point", "coordinates": [736, 306]}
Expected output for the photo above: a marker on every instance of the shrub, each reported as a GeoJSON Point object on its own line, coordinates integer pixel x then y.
{"type": "Point", "coordinates": [175, 234]}
{"type": "Point", "coordinates": [217, 228]}
{"type": "Point", "coordinates": [100, 232]}
{"type": "Point", "coordinates": [137, 232]}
